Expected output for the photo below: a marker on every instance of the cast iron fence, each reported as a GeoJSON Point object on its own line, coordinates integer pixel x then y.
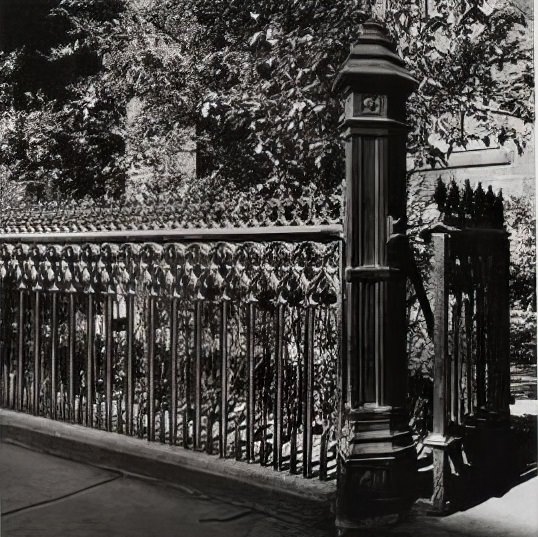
{"type": "Point", "coordinates": [229, 341]}
{"type": "Point", "coordinates": [221, 341]}
{"type": "Point", "coordinates": [472, 329]}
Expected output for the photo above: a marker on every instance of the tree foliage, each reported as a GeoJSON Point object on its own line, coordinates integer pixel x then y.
{"type": "Point", "coordinates": [251, 79]}
{"type": "Point", "coordinates": [62, 124]}
{"type": "Point", "coordinates": [262, 81]}
{"type": "Point", "coordinates": [521, 224]}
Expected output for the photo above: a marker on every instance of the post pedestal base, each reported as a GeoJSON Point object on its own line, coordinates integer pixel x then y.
{"type": "Point", "coordinates": [377, 468]}
{"type": "Point", "coordinates": [442, 490]}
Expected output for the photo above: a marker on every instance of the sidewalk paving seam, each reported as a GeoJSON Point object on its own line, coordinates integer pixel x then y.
{"type": "Point", "coordinates": [230, 518]}
{"type": "Point", "coordinates": [59, 498]}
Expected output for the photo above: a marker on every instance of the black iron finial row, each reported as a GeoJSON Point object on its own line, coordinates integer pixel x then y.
{"type": "Point", "coordinates": [467, 207]}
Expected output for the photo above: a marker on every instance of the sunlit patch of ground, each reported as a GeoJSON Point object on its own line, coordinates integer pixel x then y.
{"type": "Point", "coordinates": [523, 390]}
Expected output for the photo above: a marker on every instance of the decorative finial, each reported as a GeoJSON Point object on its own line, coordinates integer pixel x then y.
{"type": "Point", "coordinates": [375, 32]}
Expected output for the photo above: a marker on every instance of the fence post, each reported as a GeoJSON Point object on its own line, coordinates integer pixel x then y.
{"type": "Point", "coordinates": [376, 453]}
{"type": "Point", "coordinates": [439, 440]}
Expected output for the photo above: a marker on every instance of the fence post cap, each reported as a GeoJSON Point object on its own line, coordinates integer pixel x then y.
{"type": "Point", "coordinates": [374, 65]}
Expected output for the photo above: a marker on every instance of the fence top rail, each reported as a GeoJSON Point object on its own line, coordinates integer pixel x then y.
{"type": "Point", "coordinates": [477, 233]}
{"type": "Point", "coordinates": [319, 233]}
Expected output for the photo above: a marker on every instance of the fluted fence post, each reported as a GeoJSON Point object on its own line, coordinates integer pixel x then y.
{"type": "Point", "coordinates": [376, 453]}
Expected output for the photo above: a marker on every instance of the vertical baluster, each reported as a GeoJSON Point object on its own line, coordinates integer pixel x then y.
{"type": "Point", "coordinates": [469, 313]}
{"type": "Point", "coordinates": [9, 319]}
{"type": "Point", "coordinates": [5, 335]}
{"type": "Point", "coordinates": [279, 382]}
{"type": "Point", "coordinates": [454, 363]}
{"type": "Point", "coordinates": [10, 343]}
{"type": "Point", "coordinates": [197, 427]}
{"type": "Point", "coordinates": [460, 403]}
{"type": "Point", "coordinates": [486, 334]}
{"type": "Point", "coordinates": [7, 347]}
{"type": "Point", "coordinates": [308, 401]}
{"type": "Point", "coordinates": [43, 357]}
{"type": "Point", "coordinates": [223, 379]}
{"type": "Point", "coordinates": [186, 379]}
{"type": "Point", "coordinates": [37, 355]}
{"type": "Point", "coordinates": [129, 308]}
{"type": "Point", "coordinates": [151, 367]}
{"type": "Point", "coordinates": [160, 407]}
{"type": "Point", "coordinates": [108, 361]}
{"type": "Point", "coordinates": [494, 388]}
{"type": "Point", "coordinates": [89, 361]}
{"type": "Point", "coordinates": [323, 451]}
{"type": "Point", "coordinates": [119, 397]}
{"type": "Point", "coordinates": [480, 336]}
{"type": "Point", "coordinates": [20, 351]}
{"type": "Point", "coordinates": [265, 389]}
{"type": "Point", "coordinates": [9, 396]}
{"type": "Point", "coordinates": [237, 438]}
{"type": "Point", "coordinates": [211, 418]}
{"type": "Point", "coordinates": [173, 372]}
{"type": "Point", "coordinates": [296, 418]}
{"type": "Point", "coordinates": [60, 361]}
{"type": "Point", "coordinates": [493, 344]}
{"type": "Point", "coordinates": [4, 370]}
{"type": "Point", "coordinates": [251, 409]}
{"type": "Point", "coordinates": [11, 338]}
{"type": "Point", "coordinates": [263, 445]}
{"type": "Point", "coordinates": [293, 443]}
{"type": "Point", "coordinates": [503, 326]}
{"type": "Point", "coordinates": [4, 348]}
{"type": "Point", "coordinates": [449, 377]}
{"type": "Point", "coordinates": [54, 356]}
{"type": "Point", "coordinates": [71, 355]}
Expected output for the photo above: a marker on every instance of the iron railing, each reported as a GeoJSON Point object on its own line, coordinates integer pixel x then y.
{"type": "Point", "coordinates": [471, 263]}
{"type": "Point", "coordinates": [225, 341]}
{"type": "Point", "coordinates": [472, 325]}
{"type": "Point", "coordinates": [471, 388]}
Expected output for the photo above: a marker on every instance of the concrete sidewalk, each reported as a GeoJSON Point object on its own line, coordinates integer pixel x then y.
{"type": "Point", "coordinates": [45, 496]}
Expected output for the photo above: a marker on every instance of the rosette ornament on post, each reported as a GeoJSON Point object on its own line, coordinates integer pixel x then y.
{"type": "Point", "coordinates": [377, 459]}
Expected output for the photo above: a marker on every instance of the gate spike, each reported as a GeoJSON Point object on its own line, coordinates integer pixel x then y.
{"type": "Point", "coordinates": [453, 200]}
{"type": "Point", "coordinates": [498, 210]}
{"type": "Point", "coordinates": [440, 195]}
{"type": "Point", "coordinates": [479, 199]}
{"type": "Point", "coordinates": [467, 201]}
{"type": "Point", "coordinates": [489, 201]}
